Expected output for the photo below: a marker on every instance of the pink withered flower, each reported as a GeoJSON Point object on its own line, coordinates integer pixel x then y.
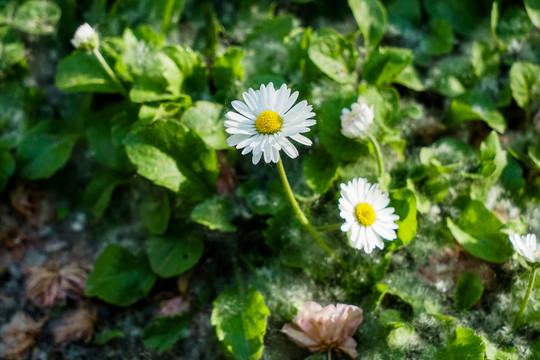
{"type": "Point", "coordinates": [325, 329]}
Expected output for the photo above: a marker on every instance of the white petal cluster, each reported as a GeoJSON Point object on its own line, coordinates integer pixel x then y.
{"type": "Point", "coordinates": [285, 122]}
{"type": "Point", "coordinates": [526, 246]}
{"type": "Point", "coordinates": [360, 198]}
{"type": "Point", "coordinates": [85, 37]}
{"type": "Point", "coordinates": [355, 123]}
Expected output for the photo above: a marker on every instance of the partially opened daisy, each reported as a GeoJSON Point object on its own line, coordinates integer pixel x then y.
{"type": "Point", "coordinates": [265, 120]}
{"type": "Point", "coordinates": [526, 246]}
{"type": "Point", "coordinates": [368, 219]}
{"type": "Point", "coordinates": [355, 123]}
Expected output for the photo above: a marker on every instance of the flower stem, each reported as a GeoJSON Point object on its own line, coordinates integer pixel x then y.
{"type": "Point", "coordinates": [324, 228]}
{"type": "Point", "coordinates": [330, 354]}
{"type": "Point", "coordinates": [301, 216]}
{"type": "Point", "coordinates": [166, 19]}
{"type": "Point", "coordinates": [526, 297]}
{"type": "Point", "coordinates": [109, 71]}
{"type": "Point", "coordinates": [378, 154]}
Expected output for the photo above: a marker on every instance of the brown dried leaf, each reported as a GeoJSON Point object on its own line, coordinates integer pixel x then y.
{"type": "Point", "coordinates": [36, 208]}
{"type": "Point", "coordinates": [79, 326]}
{"type": "Point", "coordinates": [44, 286]}
{"type": "Point", "coordinates": [20, 336]}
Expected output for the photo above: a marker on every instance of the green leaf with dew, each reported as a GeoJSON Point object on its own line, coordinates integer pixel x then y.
{"type": "Point", "coordinates": [240, 322]}
{"type": "Point", "coordinates": [165, 331]}
{"type": "Point", "coordinates": [37, 17]}
{"type": "Point", "coordinates": [215, 213]}
{"type": "Point", "coordinates": [465, 345]}
{"type": "Point", "coordinates": [370, 15]}
{"type": "Point", "coordinates": [119, 277]}
{"type": "Point", "coordinates": [476, 106]}
{"type": "Point", "coordinates": [385, 64]}
{"type": "Point", "coordinates": [469, 290]}
{"type": "Point", "coordinates": [175, 252]}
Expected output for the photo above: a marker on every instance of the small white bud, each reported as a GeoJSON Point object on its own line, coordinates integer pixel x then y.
{"type": "Point", "coordinates": [85, 38]}
{"type": "Point", "coordinates": [356, 122]}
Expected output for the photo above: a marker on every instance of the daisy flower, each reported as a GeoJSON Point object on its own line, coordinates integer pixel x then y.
{"type": "Point", "coordinates": [526, 246]}
{"type": "Point", "coordinates": [325, 329]}
{"type": "Point", "coordinates": [264, 122]}
{"type": "Point", "coordinates": [85, 38]}
{"type": "Point", "coordinates": [368, 220]}
{"type": "Point", "coordinates": [355, 122]}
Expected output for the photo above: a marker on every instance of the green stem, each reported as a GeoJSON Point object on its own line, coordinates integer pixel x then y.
{"type": "Point", "coordinates": [325, 228]}
{"type": "Point", "coordinates": [526, 297]}
{"type": "Point", "coordinates": [166, 19]}
{"type": "Point", "coordinates": [301, 216]}
{"type": "Point", "coordinates": [378, 154]}
{"type": "Point", "coordinates": [330, 354]}
{"type": "Point", "coordinates": [109, 71]}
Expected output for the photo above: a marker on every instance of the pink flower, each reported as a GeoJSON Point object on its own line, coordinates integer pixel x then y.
{"type": "Point", "coordinates": [325, 329]}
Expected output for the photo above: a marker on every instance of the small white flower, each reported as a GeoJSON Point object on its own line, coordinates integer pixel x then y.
{"type": "Point", "coordinates": [526, 246]}
{"type": "Point", "coordinates": [85, 37]}
{"type": "Point", "coordinates": [355, 122]}
{"type": "Point", "coordinates": [368, 220]}
{"type": "Point", "coordinates": [264, 122]}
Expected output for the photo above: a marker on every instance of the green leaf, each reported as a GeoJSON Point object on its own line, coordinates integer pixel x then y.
{"type": "Point", "coordinates": [98, 193]}
{"type": "Point", "coordinates": [7, 168]}
{"type": "Point", "coordinates": [476, 106]}
{"type": "Point", "coordinates": [240, 322]}
{"type": "Point", "coordinates": [462, 15]}
{"type": "Point", "coordinates": [401, 337]}
{"type": "Point", "coordinates": [43, 152]}
{"type": "Point", "coordinates": [175, 252]}
{"type": "Point", "coordinates": [119, 277]}
{"type": "Point", "coordinates": [404, 14]}
{"type": "Point", "coordinates": [105, 336]}
{"type": "Point", "coordinates": [333, 55]}
{"type": "Point", "coordinates": [228, 68]}
{"type": "Point", "coordinates": [206, 119]}
{"type": "Point", "coordinates": [11, 48]}
{"type": "Point", "coordinates": [534, 154]}
{"type": "Point", "coordinates": [215, 213]}
{"type": "Point", "coordinates": [525, 83]}
{"type": "Point", "coordinates": [385, 64]}
{"type": "Point", "coordinates": [440, 39]}
{"type": "Point", "coordinates": [409, 77]}
{"type": "Point", "coordinates": [466, 345]}
{"type": "Point", "coordinates": [81, 71]}
{"type": "Point", "coordinates": [171, 155]}
{"type": "Point", "coordinates": [160, 79]}
{"type": "Point", "coordinates": [155, 212]}
{"type": "Point", "coordinates": [37, 17]}
{"type": "Point", "coordinates": [165, 331]}
{"type": "Point", "coordinates": [370, 15]}
{"type": "Point", "coordinates": [479, 231]}
{"type": "Point", "coordinates": [320, 171]}
{"type": "Point", "coordinates": [513, 23]}
{"type": "Point", "coordinates": [391, 318]}
{"type": "Point", "coordinates": [485, 59]}
{"type": "Point", "coordinates": [533, 10]}
{"type": "Point", "coordinates": [452, 76]}
{"type": "Point", "coordinates": [469, 290]}
{"type": "Point", "coordinates": [192, 66]}
{"type": "Point", "coordinates": [404, 203]}
{"type": "Point", "coordinates": [263, 201]}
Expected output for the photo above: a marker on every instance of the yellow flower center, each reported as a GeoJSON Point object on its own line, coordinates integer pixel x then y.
{"type": "Point", "coordinates": [268, 122]}
{"type": "Point", "coordinates": [365, 214]}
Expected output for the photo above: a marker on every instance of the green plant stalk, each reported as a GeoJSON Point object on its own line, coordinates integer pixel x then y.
{"type": "Point", "coordinates": [378, 154]}
{"type": "Point", "coordinates": [109, 71]}
{"type": "Point", "coordinates": [301, 216]}
{"type": "Point", "coordinates": [325, 228]}
{"type": "Point", "coordinates": [330, 354]}
{"type": "Point", "coordinates": [166, 19]}
{"type": "Point", "coordinates": [526, 297]}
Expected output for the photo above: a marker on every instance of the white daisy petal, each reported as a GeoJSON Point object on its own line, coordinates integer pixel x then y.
{"type": "Point", "coordinates": [368, 220]}
{"type": "Point", "coordinates": [279, 121]}
{"type": "Point", "coordinates": [526, 246]}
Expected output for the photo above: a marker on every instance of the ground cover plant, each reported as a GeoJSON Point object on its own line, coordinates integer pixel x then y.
{"type": "Point", "coordinates": [269, 180]}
